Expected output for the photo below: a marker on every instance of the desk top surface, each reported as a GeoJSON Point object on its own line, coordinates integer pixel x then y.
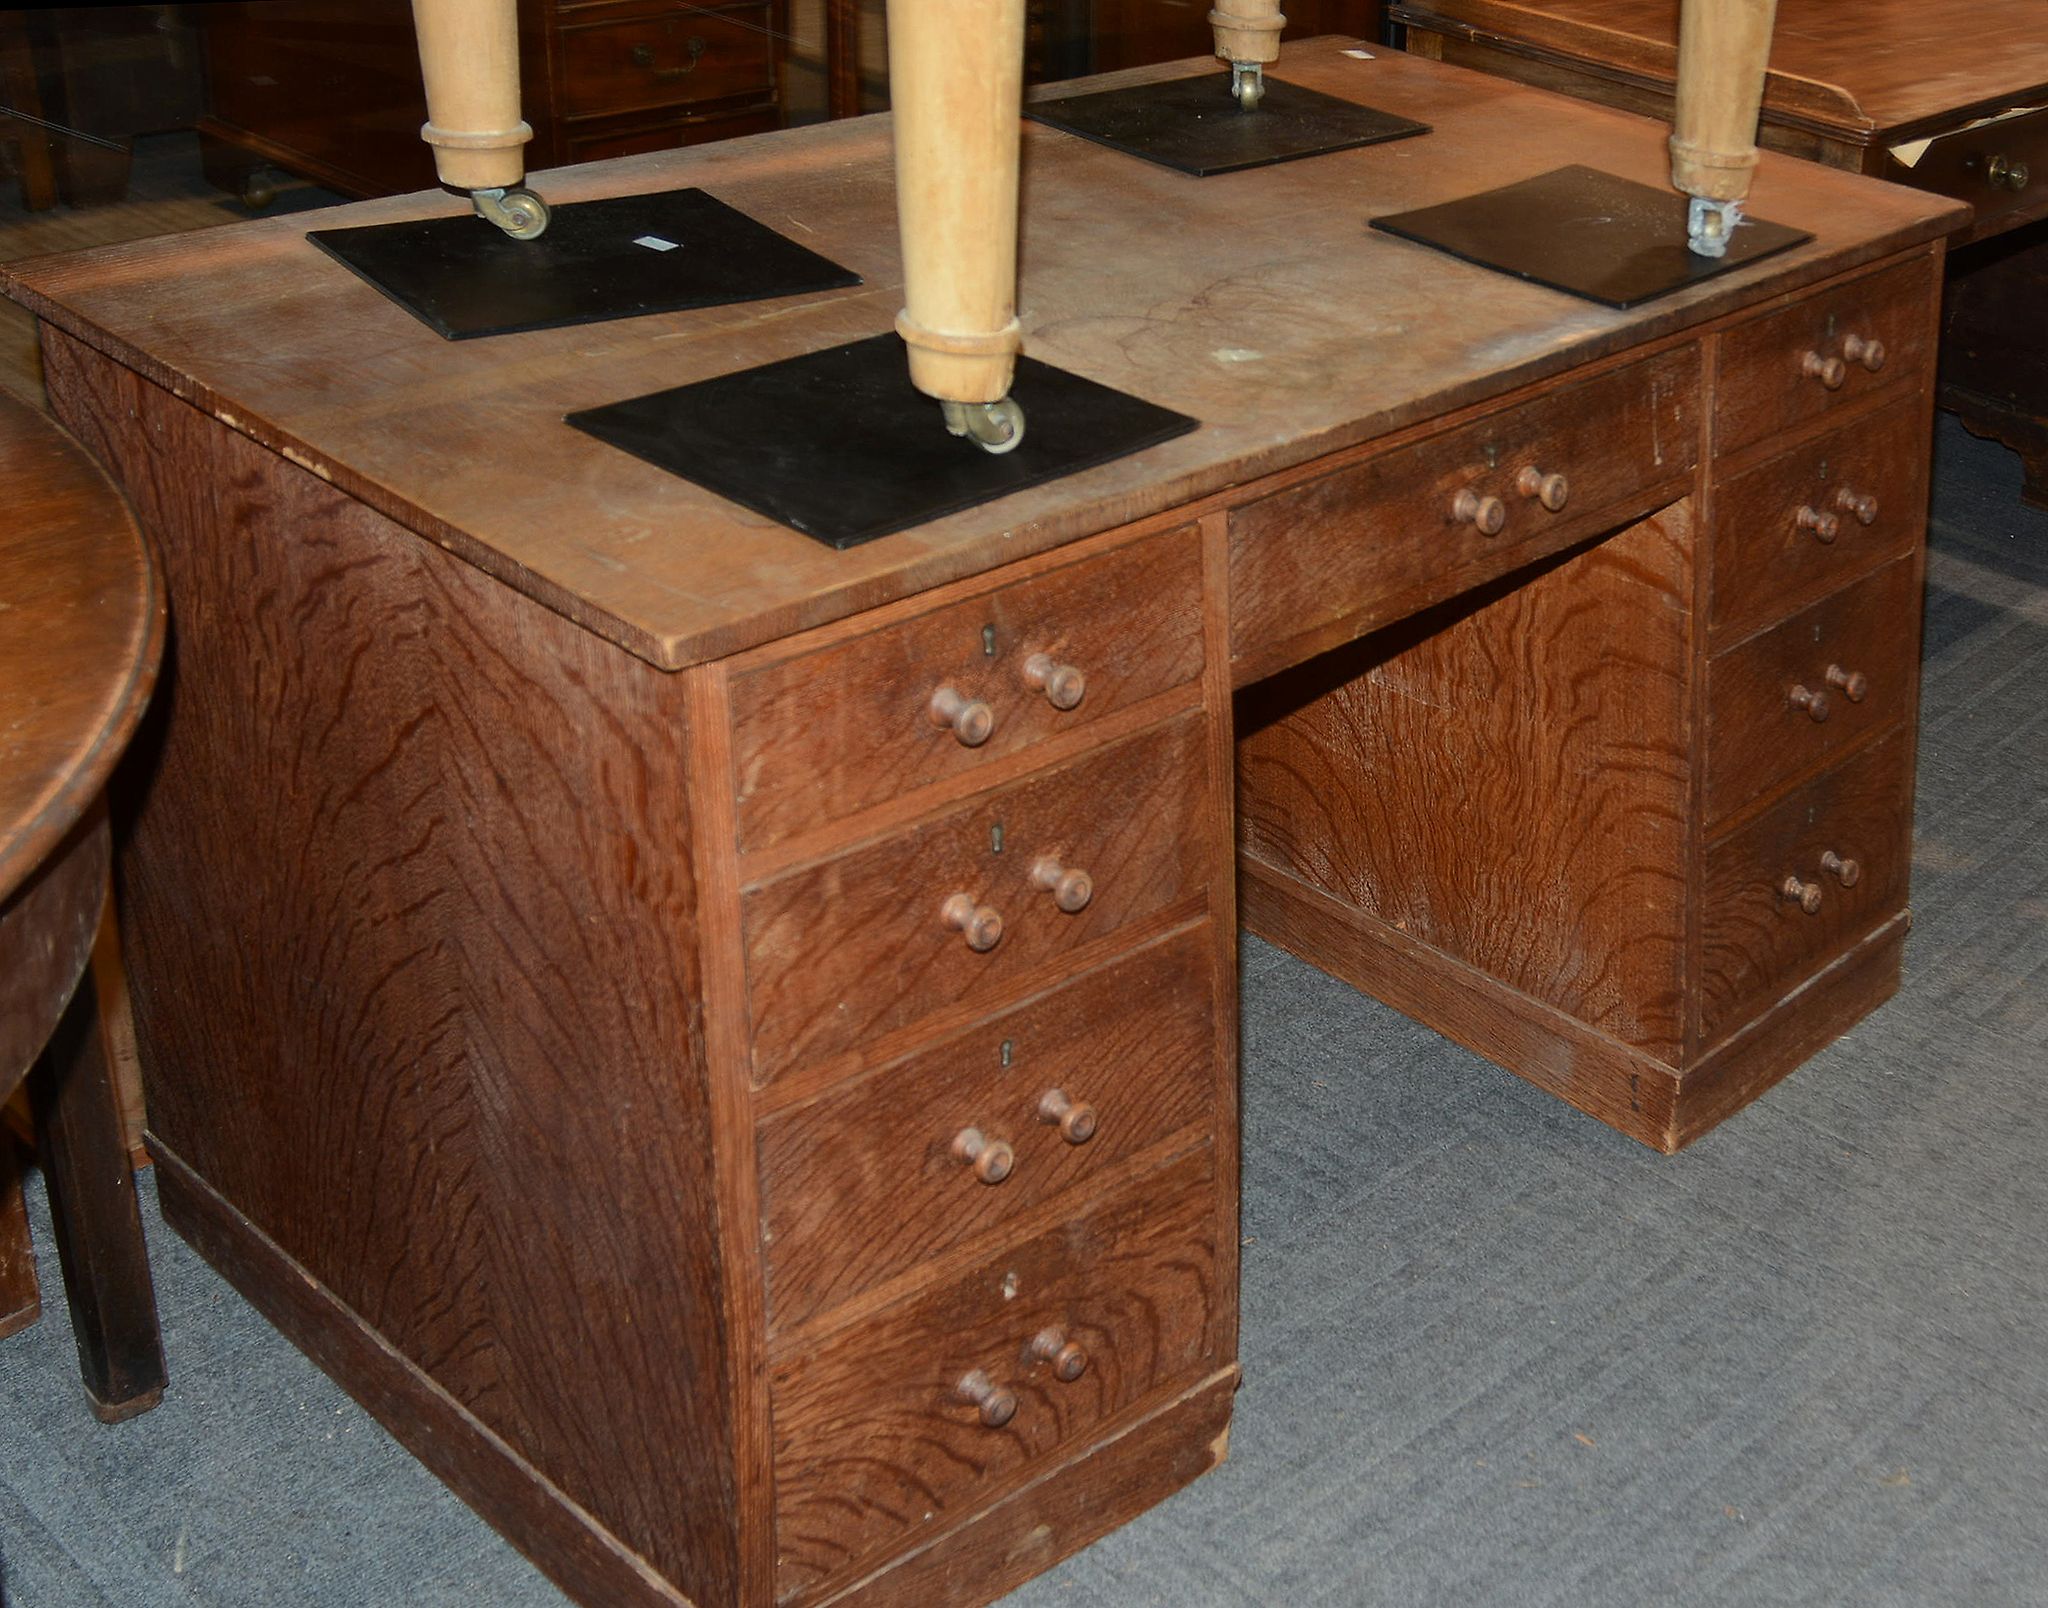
{"type": "Point", "coordinates": [1877, 67]}
{"type": "Point", "coordinates": [1258, 302]}
{"type": "Point", "coordinates": [81, 630]}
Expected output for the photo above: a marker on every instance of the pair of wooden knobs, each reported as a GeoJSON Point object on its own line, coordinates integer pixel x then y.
{"type": "Point", "coordinates": [1807, 895]}
{"type": "Point", "coordinates": [1826, 523]}
{"type": "Point", "coordinates": [998, 1405]}
{"type": "Point", "coordinates": [994, 1159]}
{"type": "Point", "coordinates": [1815, 703]}
{"type": "Point", "coordinates": [1489, 515]}
{"type": "Point", "coordinates": [982, 925]}
{"type": "Point", "coordinates": [972, 722]}
{"type": "Point", "coordinates": [1865, 351]}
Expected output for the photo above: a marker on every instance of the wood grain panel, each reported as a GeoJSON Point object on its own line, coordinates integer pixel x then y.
{"type": "Point", "coordinates": [1765, 562]}
{"type": "Point", "coordinates": [1765, 389]}
{"type": "Point", "coordinates": [1505, 782]}
{"type": "Point", "coordinates": [872, 1441]}
{"type": "Point", "coordinates": [820, 734]}
{"type": "Point", "coordinates": [1758, 738]}
{"type": "Point", "coordinates": [861, 1183]}
{"type": "Point", "coordinates": [1757, 943]}
{"type": "Point", "coordinates": [671, 58]}
{"type": "Point", "coordinates": [410, 925]}
{"type": "Point", "coordinates": [842, 951]}
{"type": "Point", "coordinates": [1380, 539]}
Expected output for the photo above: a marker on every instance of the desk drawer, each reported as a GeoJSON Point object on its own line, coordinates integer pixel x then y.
{"type": "Point", "coordinates": [673, 58]}
{"type": "Point", "coordinates": [1798, 526]}
{"type": "Point", "coordinates": [2000, 168]}
{"type": "Point", "coordinates": [1812, 357]}
{"type": "Point", "coordinates": [1790, 699]}
{"type": "Point", "coordinates": [869, 1180]}
{"type": "Point", "coordinates": [1408, 526]}
{"type": "Point", "coordinates": [829, 732]}
{"type": "Point", "coordinates": [1797, 886]}
{"type": "Point", "coordinates": [873, 1441]}
{"type": "Point", "coordinates": [872, 940]}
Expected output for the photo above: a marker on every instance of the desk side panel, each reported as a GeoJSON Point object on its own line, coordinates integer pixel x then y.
{"type": "Point", "coordinates": [414, 940]}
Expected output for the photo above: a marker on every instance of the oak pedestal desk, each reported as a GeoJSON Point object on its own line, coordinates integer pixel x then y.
{"type": "Point", "coordinates": [595, 1005]}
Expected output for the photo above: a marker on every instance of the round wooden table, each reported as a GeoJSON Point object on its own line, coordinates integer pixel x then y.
{"type": "Point", "coordinates": [81, 634]}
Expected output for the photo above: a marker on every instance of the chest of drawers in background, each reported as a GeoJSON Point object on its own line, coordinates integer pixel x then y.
{"type": "Point", "coordinates": [1639, 827]}
{"type": "Point", "coordinates": [330, 89]}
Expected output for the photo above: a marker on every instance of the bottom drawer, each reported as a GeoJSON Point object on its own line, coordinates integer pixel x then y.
{"type": "Point", "coordinates": [877, 1446]}
{"type": "Point", "coordinates": [1798, 885]}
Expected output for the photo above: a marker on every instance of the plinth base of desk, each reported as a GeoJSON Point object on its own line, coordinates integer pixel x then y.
{"type": "Point", "coordinates": [1665, 1107]}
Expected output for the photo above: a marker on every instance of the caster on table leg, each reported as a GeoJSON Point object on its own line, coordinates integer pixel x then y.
{"type": "Point", "coordinates": [991, 426]}
{"type": "Point", "coordinates": [518, 211]}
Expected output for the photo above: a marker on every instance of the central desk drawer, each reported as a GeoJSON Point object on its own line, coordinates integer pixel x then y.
{"type": "Point", "coordinates": [965, 903]}
{"type": "Point", "coordinates": [1341, 555]}
{"type": "Point", "coordinates": [871, 1179]}
{"type": "Point", "coordinates": [1791, 698]}
{"type": "Point", "coordinates": [668, 59]}
{"type": "Point", "coordinates": [874, 1439]}
{"type": "Point", "coordinates": [2000, 168]}
{"type": "Point", "coordinates": [826, 733]}
{"type": "Point", "coordinates": [1808, 359]}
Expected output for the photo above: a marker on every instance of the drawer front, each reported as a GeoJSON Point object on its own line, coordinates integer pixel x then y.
{"type": "Point", "coordinates": [1788, 700]}
{"type": "Point", "coordinates": [1808, 359]}
{"type": "Point", "coordinates": [874, 1442]}
{"type": "Point", "coordinates": [2000, 168]}
{"type": "Point", "coordinates": [1797, 886]}
{"type": "Point", "coordinates": [1790, 530]}
{"type": "Point", "coordinates": [1375, 541]}
{"type": "Point", "coordinates": [872, 1178]}
{"type": "Point", "coordinates": [1096, 636]}
{"type": "Point", "coordinates": [672, 59]}
{"type": "Point", "coordinates": [884, 936]}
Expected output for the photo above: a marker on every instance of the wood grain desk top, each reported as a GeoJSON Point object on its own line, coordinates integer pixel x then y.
{"type": "Point", "coordinates": [81, 632]}
{"type": "Point", "coordinates": [1257, 302]}
{"type": "Point", "coordinates": [1886, 69]}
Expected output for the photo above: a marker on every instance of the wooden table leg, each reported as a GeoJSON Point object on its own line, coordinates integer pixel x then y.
{"type": "Point", "coordinates": [98, 1227]}
{"type": "Point", "coordinates": [20, 1297]}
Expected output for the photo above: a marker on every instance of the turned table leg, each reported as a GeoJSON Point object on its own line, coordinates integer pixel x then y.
{"type": "Point", "coordinates": [1723, 48]}
{"type": "Point", "coordinates": [1247, 36]}
{"type": "Point", "coordinates": [469, 62]}
{"type": "Point", "coordinates": [98, 1227]}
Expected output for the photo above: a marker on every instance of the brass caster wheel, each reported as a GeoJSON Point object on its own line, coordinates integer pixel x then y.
{"type": "Point", "coordinates": [991, 426]}
{"type": "Point", "coordinates": [1248, 84]}
{"type": "Point", "coordinates": [519, 212]}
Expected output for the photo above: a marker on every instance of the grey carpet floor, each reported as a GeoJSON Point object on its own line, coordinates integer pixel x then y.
{"type": "Point", "coordinates": [1494, 1354]}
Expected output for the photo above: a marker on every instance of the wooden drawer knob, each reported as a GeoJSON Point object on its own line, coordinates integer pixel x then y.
{"type": "Point", "coordinates": [1806, 895]}
{"type": "Point", "coordinates": [2006, 174]}
{"type": "Point", "coordinates": [982, 925]}
{"type": "Point", "coordinates": [1830, 371]}
{"type": "Point", "coordinates": [1825, 526]}
{"type": "Point", "coordinates": [991, 1159]}
{"type": "Point", "coordinates": [970, 720]}
{"type": "Point", "coordinates": [998, 1406]}
{"type": "Point", "coordinates": [1851, 684]}
{"type": "Point", "coordinates": [1816, 704]}
{"type": "Point", "coordinates": [1068, 1360]}
{"type": "Point", "coordinates": [1847, 872]}
{"type": "Point", "coordinates": [1552, 491]}
{"type": "Point", "coordinates": [1071, 888]}
{"type": "Point", "coordinates": [1076, 1123]}
{"type": "Point", "coordinates": [1870, 353]}
{"type": "Point", "coordinates": [1488, 514]}
{"type": "Point", "coordinates": [1063, 684]}
{"type": "Point", "coordinates": [1863, 508]}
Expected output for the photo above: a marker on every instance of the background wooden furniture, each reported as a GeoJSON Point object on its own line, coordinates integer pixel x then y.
{"type": "Point", "coordinates": [641, 1048]}
{"type": "Point", "coordinates": [85, 630]}
{"type": "Point", "coordinates": [1954, 101]}
{"type": "Point", "coordinates": [331, 88]}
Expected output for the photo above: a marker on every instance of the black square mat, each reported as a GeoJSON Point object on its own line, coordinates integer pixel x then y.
{"type": "Point", "coordinates": [1194, 125]}
{"type": "Point", "coordinates": [616, 258]}
{"type": "Point", "coordinates": [839, 445]}
{"type": "Point", "coordinates": [1590, 233]}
